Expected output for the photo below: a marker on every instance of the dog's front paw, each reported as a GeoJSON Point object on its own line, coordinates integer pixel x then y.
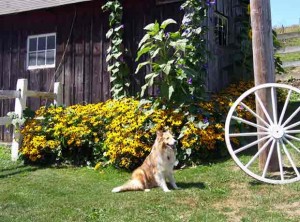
{"type": "Point", "coordinates": [177, 188]}
{"type": "Point", "coordinates": [167, 190]}
{"type": "Point", "coordinates": [116, 190]}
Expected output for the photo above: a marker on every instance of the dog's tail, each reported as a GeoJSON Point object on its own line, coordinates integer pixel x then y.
{"type": "Point", "coordinates": [129, 186]}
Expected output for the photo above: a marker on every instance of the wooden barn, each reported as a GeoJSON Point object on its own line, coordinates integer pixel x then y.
{"type": "Point", "coordinates": [64, 40]}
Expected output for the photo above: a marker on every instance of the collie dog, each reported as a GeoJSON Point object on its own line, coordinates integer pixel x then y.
{"type": "Point", "coordinates": [157, 167]}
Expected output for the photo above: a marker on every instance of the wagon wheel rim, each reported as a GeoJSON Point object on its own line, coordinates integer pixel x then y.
{"type": "Point", "coordinates": [278, 133]}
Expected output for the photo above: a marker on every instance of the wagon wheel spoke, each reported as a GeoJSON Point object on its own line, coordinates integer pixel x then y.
{"type": "Point", "coordinates": [263, 108]}
{"type": "Point", "coordinates": [291, 117]}
{"type": "Point", "coordinates": [268, 159]}
{"type": "Point", "coordinates": [279, 160]}
{"type": "Point", "coordinates": [259, 152]}
{"type": "Point", "coordinates": [290, 158]}
{"type": "Point", "coordinates": [292, 137]}
{"type": "Point", "coordinates": [285, 106]}
{"type": "Point", "coordinates": [249, 123]}
{"type": "Point", "coordinates": [274, 105]}
{"type": "Point", "coordinates": [254, 114]}
{"type": "Point", "coordinates": [291, 144]}
{"type": "Point", "coordinates": [292, 126]}
{"type": "Point", "coordinates": [292, 131]}
{"type": "Point", "coordinates": [248, 134]}
{"type": "Point", "coordinates": [251, 144]}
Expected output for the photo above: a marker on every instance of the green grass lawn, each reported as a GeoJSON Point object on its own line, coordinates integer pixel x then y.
{"type": "Point", "coordinates": [214, 192]}
{"type": "Point", "coordinates": [295, 56]}
{"type": "Point", "coordinates": [290, 42]}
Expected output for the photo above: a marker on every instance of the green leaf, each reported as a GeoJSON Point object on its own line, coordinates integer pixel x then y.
{"type": "Point", "coordinates": [108, 49]}
{"type": "Point", "coordinates": [167, 68]}
{"type": "Point", "coordinates": [144, 39]}
{"type": "Point", "coordinates": [109, 68]}
{"type": "Point", "coordinates": [117, 55]}
{"type": "Point", "coordinates": [198, 30]}
{"type": "Point", "coordinates": [108, 57]}
{"type": "Point", "coordinates": [150, 75]}
{"type": "Point", "coordinates": [143, 89]}
{"type": "Point", "coordinates": [141, 65]}
{"type": "Point", "coordinates": [109, 33]}
{"type": "Point", "coordinates": [171, 90]}
{"type": "Point", "coordinates": [179, 44]}
{"type": "Point", "coordinates": [118, 28]}
{"type": "Point", "coordinates": [201, 125]}
{"type": "Point", "coordinates": [142, 52]}
{"type": "Point", "coordinates": [143, 102]}
{"type": "Point", "coordinates": [152, 30]}
{"type": "Point", "coordinates": [117, 41]}
{"type": "Point", "coordinates": [182, 132]}
{"type": "Point", "coordinates": [149, 27]}
{"type": "Point", "coordinates": [150, 78]}
{"type": "Point", "coordinates": [155, 53]}
{"type": "Point", "coordinates": [175, 35]}
{"type": "Point", "coordinates": [167, 22]}
{"type": "Point", "coordinates": [112, 78]}
{"type": "Point", "coordinates": [159, 36]}
{"type": "Point", "coordinates": [115, 70]}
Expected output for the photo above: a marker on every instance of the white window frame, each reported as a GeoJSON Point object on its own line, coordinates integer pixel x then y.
{"type": "Point", "coordinates": [32, 67]}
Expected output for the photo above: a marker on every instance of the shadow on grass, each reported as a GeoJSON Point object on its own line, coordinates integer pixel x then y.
{"type": "Point", "coordinates": [289, 174]}
{"type": "Point", "coordinates": [191, 185]}
{"type": "Point", "coordinates": [11, 171]}
{"type": "Point", "coordinates": [256, 183]}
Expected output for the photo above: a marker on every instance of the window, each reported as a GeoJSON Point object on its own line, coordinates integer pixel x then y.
{"type": "Point", "coordinates": [41, 51]}
{"type": "Point", "coordinates": [221, 29]}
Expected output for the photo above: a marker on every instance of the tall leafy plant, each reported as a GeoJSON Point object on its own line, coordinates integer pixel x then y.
{"type": "Point", "coordinates": [176, 60]}
{"type": "Point", "coordinates": [165, 54]}
{"type": "Point", "coordinates": [193, 29]}
{"type": "Point", "coordinates": [115, 53]}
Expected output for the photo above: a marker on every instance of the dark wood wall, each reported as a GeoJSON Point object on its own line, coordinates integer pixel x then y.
{"type": "Point", "coordinates": [222, 65]}
{"type": "Point", "coordinates": [81, 49]}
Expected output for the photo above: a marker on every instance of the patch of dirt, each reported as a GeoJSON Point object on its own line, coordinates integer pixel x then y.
{"type": "Point", "coordinates": [292, 77]}
{"type": "Point", "coordinates": [292, 209]}
{"type": "Point", "coordinates": [235, 202]}
{"type": "Point", "coordinates": [292, 82]}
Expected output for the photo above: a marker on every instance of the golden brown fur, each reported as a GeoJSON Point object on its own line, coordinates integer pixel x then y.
{"type": "Point", "coordinates": [157, 167]}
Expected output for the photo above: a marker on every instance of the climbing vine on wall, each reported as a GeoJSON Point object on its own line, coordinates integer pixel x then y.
{"type": "Point", "coordinates": [115, 53]}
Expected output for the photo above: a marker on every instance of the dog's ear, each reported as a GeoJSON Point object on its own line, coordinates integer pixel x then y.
{"type": "Point", "coordinates": [159, 134]}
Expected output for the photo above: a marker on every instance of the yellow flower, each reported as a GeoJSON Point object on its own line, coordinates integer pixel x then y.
{"type": "Point", "coordinates": [219, 126]}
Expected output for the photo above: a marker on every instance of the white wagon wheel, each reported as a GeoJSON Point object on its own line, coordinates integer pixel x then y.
{"type": "Point", "coordinates": [279, 133]}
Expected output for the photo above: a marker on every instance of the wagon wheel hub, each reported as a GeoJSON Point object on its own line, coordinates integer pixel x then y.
{"type": "Point", "coordinates": [277, 132]}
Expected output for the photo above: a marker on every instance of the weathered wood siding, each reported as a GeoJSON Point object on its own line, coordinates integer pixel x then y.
{"type": "Point", "coordinates": [80, 30]}
{"type": "Point", "coordinates": [222, 68]}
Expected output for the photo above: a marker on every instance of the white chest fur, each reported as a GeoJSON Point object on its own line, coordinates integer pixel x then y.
{"type": "Point", "coordinates": [167, 160]}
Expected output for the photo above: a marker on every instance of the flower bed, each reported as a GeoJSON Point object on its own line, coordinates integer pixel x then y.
{"type": "Point", "coordinates": [121, 132]}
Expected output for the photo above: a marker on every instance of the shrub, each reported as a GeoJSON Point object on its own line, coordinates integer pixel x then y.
{"type": "Point", "coordinates": [121, 132]}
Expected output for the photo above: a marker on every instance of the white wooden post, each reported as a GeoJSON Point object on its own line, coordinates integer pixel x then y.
{"type": "Point", "coordinates": [20, 104]}
{"type": "Point", "coordinates": [58, 94]}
